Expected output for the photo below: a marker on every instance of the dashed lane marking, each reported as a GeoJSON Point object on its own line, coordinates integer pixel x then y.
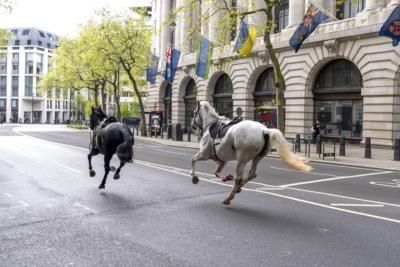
{"type": "Point", "coordinates": [67, 167]}
{"type": "Point", "coordinates": [355, 205]}
{"type": "Point", "coordinates": [311, 173]}
{"type": "Point", "coordinates": [85, 208]}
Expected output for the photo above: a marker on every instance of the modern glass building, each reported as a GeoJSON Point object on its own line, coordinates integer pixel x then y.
{"type": "Point", "coordinates": [345, 75]}
{"type": "Point", "coordinates": [22, 64]}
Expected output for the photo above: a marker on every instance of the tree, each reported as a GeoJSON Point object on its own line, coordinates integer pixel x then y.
{"type": "Point", "coordinates": [6, 5]}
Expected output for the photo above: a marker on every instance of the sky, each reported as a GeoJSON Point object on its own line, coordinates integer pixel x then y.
{"type": "Point", "coordinates": [61, 17]}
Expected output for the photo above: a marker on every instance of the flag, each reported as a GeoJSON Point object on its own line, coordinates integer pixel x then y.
{"type": "Point", "coordinates": [391, 27]}
{"type": "Point", "coordinates": [151, 71]}
{"type": "Point", "coordinates": [245, 40]}
{"type": "Point", "coordinates": [203, 62]}
{"type": "Point", "coordinates": [172, 59]}
{"type": "Point", "coordinates": [312, 19]}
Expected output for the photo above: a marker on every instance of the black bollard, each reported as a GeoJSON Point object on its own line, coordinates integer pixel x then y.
{"type": "Point", "coordinates": [342, 148]}
{"type": "Point", "coordinates": [397, 149]}
{"type": "Point", "coordinates": [318, 145]}
{"type": "Point", "coordinates": [137, 131]}
{"type": "Point", "coordinates": [367, 147]}
{"type": "Point", "coordinates": [297, 143]}
{"type": "Point", "coordinates": [189, 138]}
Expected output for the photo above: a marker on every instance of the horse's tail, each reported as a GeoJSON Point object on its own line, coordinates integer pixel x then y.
{"type": "Point", "coordinates": [125, 150]}
{"type": "Point", "coordinates": [292, 160]}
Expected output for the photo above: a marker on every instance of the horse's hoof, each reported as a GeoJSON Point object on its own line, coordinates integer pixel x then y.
{"type": "Point", "coordinates": [226, 202]}
{"type": "Point", "coordinates": [227, 178]}
{"type": "Point", "coordinates": [239, 190]}
{"type": "Point", "coordinates": [116, 176]}
{"type": "Point", "coordinates": [195, 179]}
{"type": "Point", "coordinates": [113, 169]}
{"type": "Point", "coordinates": [102, 186]}
{"type": "Point", "coordinates": [92, 173]}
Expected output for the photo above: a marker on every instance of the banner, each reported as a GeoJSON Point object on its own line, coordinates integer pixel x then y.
{"type": "Point", "coordinates": [391, 27]}
{"type": "Point", "coordinates": [245, 40]}
{"type": "Point", "coordinates": [151, 71]}
{"type": "Point", "coordinates": [312, 19]}
{"type": "Point", "coordinates": [172, 59]}
{"type": "Point", "coordinates": [203, 62]}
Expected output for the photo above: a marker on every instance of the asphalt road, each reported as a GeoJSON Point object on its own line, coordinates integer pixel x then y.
{"type": "Point", "coordinates": [52, 213]}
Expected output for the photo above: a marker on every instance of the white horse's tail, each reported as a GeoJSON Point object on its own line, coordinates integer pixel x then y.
{"type": "Point", "coordinates": [292, 160]}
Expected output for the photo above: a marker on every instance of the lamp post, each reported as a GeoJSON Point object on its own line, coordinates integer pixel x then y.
{"type": "Point", "coordinates": [172, 27]}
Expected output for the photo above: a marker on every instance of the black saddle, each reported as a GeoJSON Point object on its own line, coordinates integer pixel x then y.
{"type": "Point", "coordinates": [108, 121]}
{"type": "Point", "coordinates": [219, 128]}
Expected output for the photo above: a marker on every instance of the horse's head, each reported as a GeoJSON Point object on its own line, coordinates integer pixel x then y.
{"type": "Point", "coordinates": [96, 117]}
{"type": "Point", "coordinates": [197, 121]}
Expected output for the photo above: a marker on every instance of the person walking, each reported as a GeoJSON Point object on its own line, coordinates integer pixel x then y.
{"type": "Point", "coordinates": [315, 131]}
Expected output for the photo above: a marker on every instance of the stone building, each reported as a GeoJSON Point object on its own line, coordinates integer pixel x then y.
{"type": "Point", "coordinates": [345, 75]}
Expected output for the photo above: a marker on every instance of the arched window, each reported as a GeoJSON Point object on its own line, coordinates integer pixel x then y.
{"type": "Point", "coordinates": [168, 105]}
{"type": "Point", "coordinates": [264, 107]}
{"type": "Point", "coordinates": [223, 96]}
{"type": "Point", "coordinates": [338, 102]}
{"type": "Point", "coordinates": [190, 102]}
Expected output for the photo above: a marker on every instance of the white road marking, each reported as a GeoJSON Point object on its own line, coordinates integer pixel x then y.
{"type": "Point", "coordinates": [355, 205]}
{"type": "Point", "coordinates": [337, 178]}
{"type": "Point", "coordinates": [86, 208]}
{"type": "Point", "coordinates": [24, 204]}
{"type": "Point", "coordinates": [170, 152]}
{"type": "Point", "coordinates": [8, 194]}
{"type": "Point", "coordinates": [283, 196]}
{"type": "Point", "coordinates": [386, 184]}
{"type": "Point", "coordinates": [312, 173]}
{"type": "Point", "coordinates": [67, 167]}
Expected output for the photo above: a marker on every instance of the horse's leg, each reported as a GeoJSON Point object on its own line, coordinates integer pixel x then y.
{"type": "Point", "coordinates": [107, 159]}
{"type": "Point", "coordinates": [116, 175]}
{"type": "Point", "coordinates": [92, 173]}
{"type": "Point", "coordinates": [221, 165]}
{"type": "Point", "coordinates": [241, 163]}
{"type": "Point", "coordinates": [201, 155]}
{"type": "Point", "coordinates": [253, 169]}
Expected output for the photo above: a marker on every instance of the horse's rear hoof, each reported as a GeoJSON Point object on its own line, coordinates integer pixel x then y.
{"type": "Point", "coordinates": [102, 186]}
{"type": "Point", "coordinates": [112, 169]}
{"type": "Point", "coordinates": [226, 202]}
{"type": "Point", "coordinates": [195, 179]}
{"type": "Point", "coordinates": [238, 190]}
{"type": "Point", "coordinates": [92, 173]}
{"type": "Point", "coordinates": [116, 176]}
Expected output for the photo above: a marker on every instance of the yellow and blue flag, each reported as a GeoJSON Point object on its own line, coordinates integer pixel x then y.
{"type": "Point", "coordinates": [203, 62]}
{"type": "Point", "coordinates": [391, 27]}
{"type": "Point", "coordinates": [245, 40]}
{"type": "Point", "coordinates": [151, 71]}
{"type": "Point", "coordinates": [312, 19]}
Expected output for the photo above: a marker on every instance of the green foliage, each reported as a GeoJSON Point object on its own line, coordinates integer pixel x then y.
{"type": "Point", "coordinates": [130, 109]}
{"type": "Point", "coordinates": [78, 126]}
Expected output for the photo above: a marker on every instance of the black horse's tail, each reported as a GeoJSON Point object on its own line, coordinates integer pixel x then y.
{"type": "Point", "coordinates": [125, 150]}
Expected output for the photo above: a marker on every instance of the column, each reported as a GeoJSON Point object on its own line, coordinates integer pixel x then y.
{"type": "Point", "coordinates": [215, 17]}
{"type": "Point", "coordinates": [296, 12]}
{"type": "Point", "coordinates": [179, 20]}
{"type": "Point", "coordinates": [165, 31]}
{"type": "Point", "coordinates": [186, 25]}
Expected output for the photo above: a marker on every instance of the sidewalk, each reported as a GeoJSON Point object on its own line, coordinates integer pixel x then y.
{"type": "Point", "coordinates": [381, 158]}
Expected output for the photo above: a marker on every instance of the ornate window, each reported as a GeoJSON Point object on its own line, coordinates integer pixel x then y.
{"type": "Point", "coordinates": [281, 15]}
{"type": "Point", "coordinates": [190, 102]}
{"type": "Point", "coordinates": [264, 107]}
{"type": "Point", "coordinates": [349, 8]}
{"type": "Point", "coordinates": [223, 96]}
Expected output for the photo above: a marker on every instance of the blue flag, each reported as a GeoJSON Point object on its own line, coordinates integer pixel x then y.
{"type": "Point", "coordinates": [391, 27]}
{"type": "Point", "coordinates": [313, 18]}
{"type": "Point", "coordinates": [151, 71]}
{"type": "Point", "coordinates": [172, 59]}
{"type": "Point", "coordinates": [204, 58]}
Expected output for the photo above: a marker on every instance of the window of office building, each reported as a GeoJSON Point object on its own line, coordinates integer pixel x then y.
{"type": "Point", "coordinates": [29, 63]}
{"type": "Point", "coordinates": [25, 32]}
{"type": "Point", "coordinates": [338, 103]}
{"type": "Point", "coordinates": [3, 63]}
{"type": "Point", "coordinates": [2, 104]}
{"type": "Point", "coordinates": [264, 99]}
{"type": "Point", "coordinates": [281, 15]}
{"type": "Point", "coordinates": [3, 85]}
{"type": "Point", "coordinates": [16, 42]}
{"type": "Point", "coordinates": [38, 92]}
{"type": "Point", "coordinates": [223, 96]}
{"type": "Point", "coordinates": [349, 8]}
{"type": "Point", "coordinates": [28, 85]}
{"type": "Point", "coordinates": [14, 103]}
{"type": "Point", "coordinates": [39, 63]}
{"type": "Point", "coordinates": [190, 102]}
{"type": "Point", "coordinates": [14, 85]}
{"type": "Point", "coordinates": [15, 63]}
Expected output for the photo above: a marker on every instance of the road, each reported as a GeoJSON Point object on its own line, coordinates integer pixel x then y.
{"type": "Point", "coordinates": [54, 215]}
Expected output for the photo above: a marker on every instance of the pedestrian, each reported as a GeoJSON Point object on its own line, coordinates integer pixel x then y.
{"type": "Point", "coordinates": [238, 117]}
{"type": "Point", "coordinates": [315, 131]}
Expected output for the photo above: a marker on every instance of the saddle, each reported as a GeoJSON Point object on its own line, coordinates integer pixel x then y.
{"type": "Point", "coordinates": [219, 128]}
{"type": "Point", "coordinates": [96, 142]}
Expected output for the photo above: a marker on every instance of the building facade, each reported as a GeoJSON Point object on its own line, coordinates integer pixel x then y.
{"type": "Point", "coordinates": [22, 64]}
{"type": "Point", "coordinates": [345, 75]}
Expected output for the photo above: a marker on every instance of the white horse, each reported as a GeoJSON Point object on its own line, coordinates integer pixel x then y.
{"type": "Point", "coordinates": [244, 141]}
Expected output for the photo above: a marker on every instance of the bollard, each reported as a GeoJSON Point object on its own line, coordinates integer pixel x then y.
{"type": "Point", "coordinates": [318, 145]}
{"type": "Point", "coordinates": [397, 149]}
{"type": "Point", "coordinates": [162, 132]}
{"type": "Point", "coordinates": [367, 147]}
{"type": "Point", "coordinates": [342, 148]}
{"type": "Point", "coordinates": [297, 143]}
{"type": "Point", "coordinates": [169, 132]}
{"type": "Point", "coordinates": [137, 131]}
{"type": "Point", "coordinates": [189, 138]}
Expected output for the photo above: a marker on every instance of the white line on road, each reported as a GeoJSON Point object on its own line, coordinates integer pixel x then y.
{"type": "Point", "coordinates": [394, 185]}
{"type": "Point", "coordinates": [355, 205]}
{"type": "Point", "coordinates": [170, 152]}
{"type": "Point", "coordinates": [24, 204]}
{"type": "Point", "coordinates": [86, 208]}
{"type": "Point", "coordinates": [67, 167]}
{"type": "Point", "coordinates": [337, 178]}
{"type": "Point", "coordinates": [312, 173]}
{"type": "Point", "coordinates": [8, 194]}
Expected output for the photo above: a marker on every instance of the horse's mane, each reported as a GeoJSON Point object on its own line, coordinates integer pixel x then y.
{"type": "Point", "coordinates": [210, 109]}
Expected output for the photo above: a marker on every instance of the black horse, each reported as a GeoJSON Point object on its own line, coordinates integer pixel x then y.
{"type": "Point", "coordinates": [109, 137]}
